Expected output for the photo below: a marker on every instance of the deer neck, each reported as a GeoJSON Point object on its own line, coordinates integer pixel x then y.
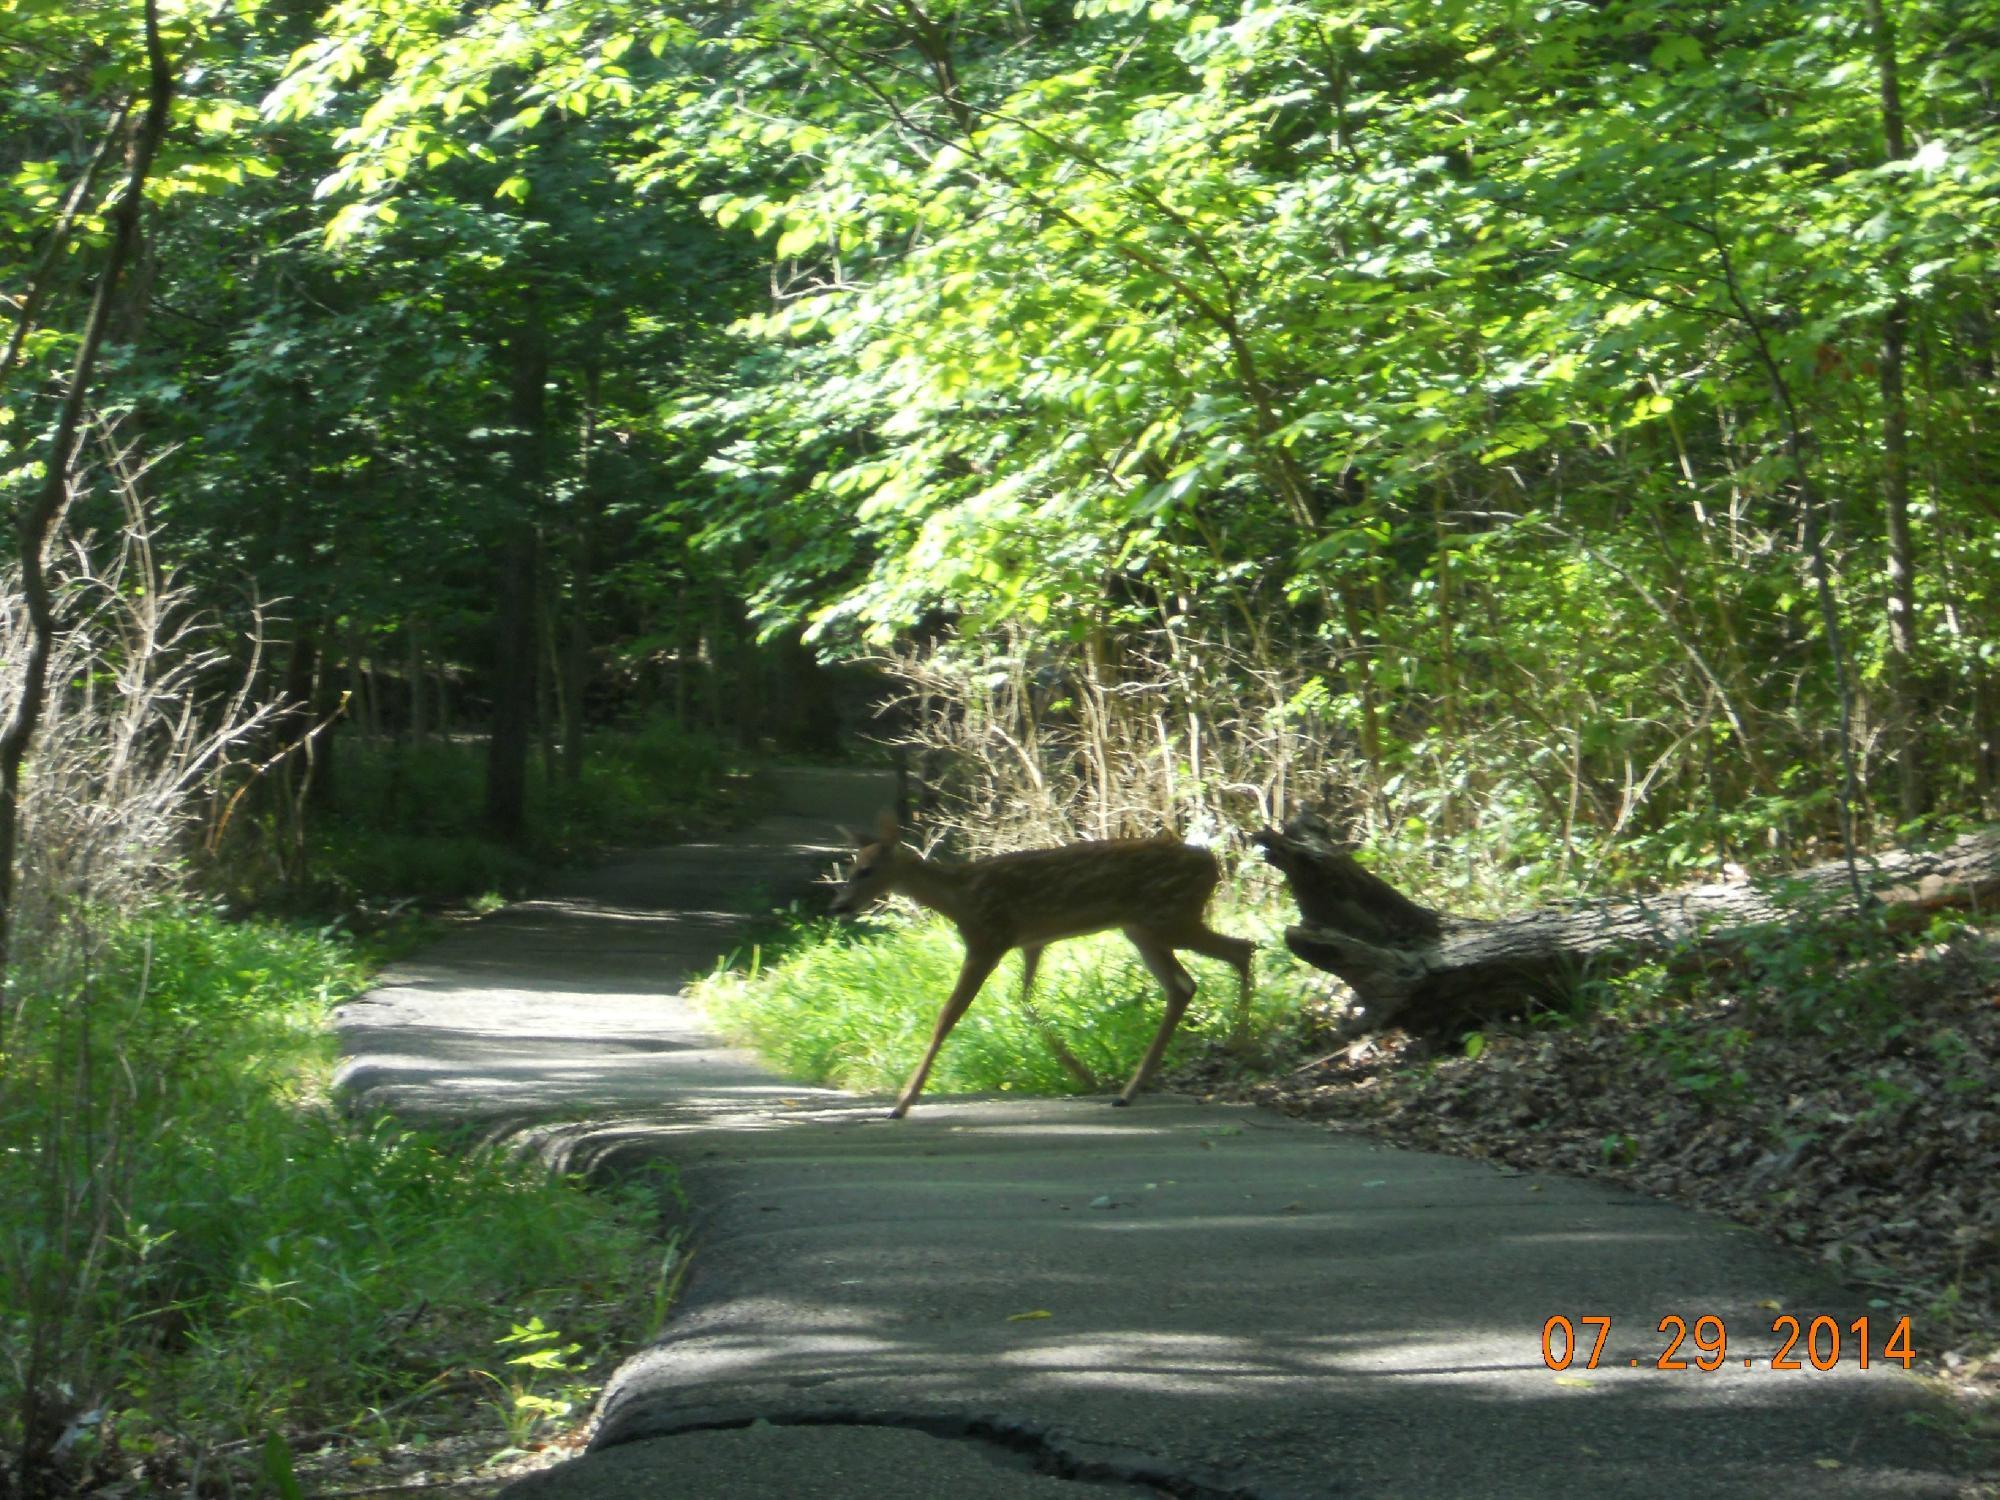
{"type": "Point", "coordinates": [939, 887]}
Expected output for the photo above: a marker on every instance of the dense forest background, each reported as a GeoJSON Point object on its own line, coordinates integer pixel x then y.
{"type": "Point", "coordinates": [1557, 441]}
{"type": "Point", "coordinates": [1561, 431]}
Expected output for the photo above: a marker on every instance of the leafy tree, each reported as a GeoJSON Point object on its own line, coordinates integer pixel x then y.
{"type": "Point", "coordinates": [51, 482]}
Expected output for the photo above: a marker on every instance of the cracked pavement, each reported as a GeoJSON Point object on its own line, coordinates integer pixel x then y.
{"type": "Point", "coordinates": [1020, 1297]}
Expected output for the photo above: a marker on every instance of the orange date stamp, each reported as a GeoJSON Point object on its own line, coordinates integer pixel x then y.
{"type": "Point", "coordinates": [1819, 1343]}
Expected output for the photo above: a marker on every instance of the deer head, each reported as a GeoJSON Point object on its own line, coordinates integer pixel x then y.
{"type": "Point", "coordinates": [871, 876]}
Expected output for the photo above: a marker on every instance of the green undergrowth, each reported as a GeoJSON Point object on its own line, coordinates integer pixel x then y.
{"type": "Point", "coordinates": [198, 1251]}
{"type": "Point", "coordinates": [852, 1005]}
{"type": "Point", "coordinates": [405, 819]}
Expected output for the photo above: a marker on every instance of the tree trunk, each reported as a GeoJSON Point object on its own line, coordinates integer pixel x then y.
{"type": "Point", "coordinates": [514, 601]}
{"type": "Point", "coordinates": [307, 706]}
{"type": "Point", "coordinates": [575, 664]}
{"type": "Point", "coordinates": [420, 720]}
{"type": "Point", "coordinates": [513, 688]}
{"type": "Point", "coordinates": [1814, 535]}
{"type": "Point", "coordinates": [710, 655]}
{"type": "Point", "coordinates": [1985, 744]}
{"type": "Point", "coordinates": [1433, 975]}
{"type": "Point", "coordinates": [808, 719]}
{"type": "Point", "coordinates": [301, 671]}
{"type": "Point", "coordinates": [40, 1414]}
{"type": "Point", "coordinates": [685, 649]}
{"type": "Point", "coordinates": [575, 670]}
{"type": "Point", "coordinates": [548, 675]}
{"type": "Point", "coordinates": [44, 510]}
{"type": "Point", "coordinates": [1903, 674]}
{"type": "Point", "coordinates": [326, 707]}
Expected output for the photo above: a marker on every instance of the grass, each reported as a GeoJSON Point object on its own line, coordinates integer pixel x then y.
{"type": "Point", "coordinates": [852, 1006]}
{"type": "Point", "coordinates": [197, 1251]}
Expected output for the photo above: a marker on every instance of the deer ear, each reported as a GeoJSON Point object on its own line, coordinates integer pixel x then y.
{"type": "Point", "coordinates": [886, 831]}
{"type": "Point", "coordinates": [856, 837]}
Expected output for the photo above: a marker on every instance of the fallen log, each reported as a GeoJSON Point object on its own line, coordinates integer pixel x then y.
{"type": "Point", "coordinates": [1434, 975]}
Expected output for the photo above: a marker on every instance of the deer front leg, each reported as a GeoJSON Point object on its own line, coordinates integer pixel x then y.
{"type": "Point", "coordinates": [972, 974]}
{"type": "Point", "coordinates": [1179, 986]}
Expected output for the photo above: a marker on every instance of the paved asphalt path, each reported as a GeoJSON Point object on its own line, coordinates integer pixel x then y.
{"type": "Point", "coordinates": [1019, 1298]}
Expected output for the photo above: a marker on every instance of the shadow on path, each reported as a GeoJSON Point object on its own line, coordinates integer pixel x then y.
{"type": "Point", "coordinates": [1002, 1297]}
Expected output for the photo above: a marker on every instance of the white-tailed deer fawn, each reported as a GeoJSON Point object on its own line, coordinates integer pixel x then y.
{"type": "Point", "coordinates": [1155, 891]}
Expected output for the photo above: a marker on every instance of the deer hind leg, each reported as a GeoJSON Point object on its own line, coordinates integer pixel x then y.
{"type": "Point", "coordinates": [1237, 953]}
{"type": "Point", "coordinates": [972, 974]}
{"type": "Point", "coordinates": [1031, 960]}
{"type": "Point", "coordinates": [1159, 959]}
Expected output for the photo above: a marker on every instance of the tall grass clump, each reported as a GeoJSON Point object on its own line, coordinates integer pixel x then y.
{"type": "Point", "coordinates": [149, 710]}
{"type": "Point", "coordinates": [852, 1006]}
{"type": "Point", "coordinates": [1020, 741]}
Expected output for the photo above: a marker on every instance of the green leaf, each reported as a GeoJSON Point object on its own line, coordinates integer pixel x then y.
{"type": "Point", "coordinates": [795, 241]}
{"type": "Point", "coordinates": [1674, 52]}
{"type": "Point", "coordinates": [275, 1459]}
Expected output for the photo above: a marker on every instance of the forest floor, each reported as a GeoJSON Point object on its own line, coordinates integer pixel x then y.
{"type": "Point", "coordinates": [1873, 1151]}
{"type": "Point", "coordinates": [997, 1296]}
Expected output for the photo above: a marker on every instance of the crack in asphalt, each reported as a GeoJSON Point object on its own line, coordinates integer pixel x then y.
{"type": "Point", "coordinates": [1022, 1444]}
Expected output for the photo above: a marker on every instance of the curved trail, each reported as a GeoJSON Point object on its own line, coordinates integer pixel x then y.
{"type": "Point", "coordinates": [1015, 1298]}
